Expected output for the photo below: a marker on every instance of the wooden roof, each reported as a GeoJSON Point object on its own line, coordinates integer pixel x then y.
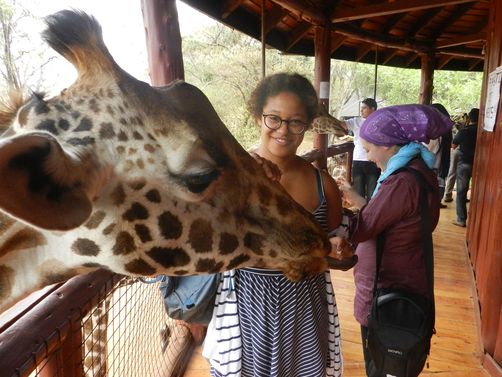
{"type": "Point", "coordinates": [395, 32]}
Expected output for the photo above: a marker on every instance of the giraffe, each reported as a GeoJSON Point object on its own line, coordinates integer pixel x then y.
{"type": "Point", "coordinates": [113, 173]}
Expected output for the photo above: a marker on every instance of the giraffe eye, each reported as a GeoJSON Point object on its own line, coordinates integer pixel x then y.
{"type": "Point", "coordinates": [197, 183]}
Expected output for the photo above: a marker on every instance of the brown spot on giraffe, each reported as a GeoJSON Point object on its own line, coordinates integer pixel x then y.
{"type": "Point", "coordinates": [153, 196]}
{"type": "Point", "coordinates": [208, 266]}
{"type": "Point", "coordinates": [118, 195]}
{"type": "Point", "coordinates": [200, 236]}
{"type": "Point", "coordinates": [143, 232]}
{"type": "Point", "coordinates": [228, 243]}
{"type": "Point", "coordinates": [109, 229]}
{"type": "Point", "coordinates": [169, 225]}
{"type": "Point", "coordinates": [137, 183]}
{"type": "Point", "coordinates": [149, 148]}
{"type": "Point", "coordinates": [106, 131]}
{"type": "Point", "coordinates": [124, 244]}
{"type": "Point", "coordinates": [84, 246]}
{"type": "Point", "coordinates": [254, 242]}
{"type": "Point", "coordinates": [23, 239]}
{"type": "Point", "coordinates": [237, 261]}
{"type": "Point", "coordinates": [140, 267]}
{"type": "Point", "coordinates": [95, 219]}
{"type": "Point", "coordinates": [169, 257]}
{"type": "Point", "coordinates": [136, 211]}
{"type": "Point", "coordinates": [84, 125]}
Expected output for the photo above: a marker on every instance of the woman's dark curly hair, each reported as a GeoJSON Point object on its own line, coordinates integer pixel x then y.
{"type": "Point", "coordinates": [284, 82]}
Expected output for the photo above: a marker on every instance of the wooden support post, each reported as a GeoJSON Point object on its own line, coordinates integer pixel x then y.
{"type": "Point", "coordinates": [322, 85]}
{"type": "Point", "coordinates": [163, 40]}
{"type": "Point", "coordinates": [426, 79]}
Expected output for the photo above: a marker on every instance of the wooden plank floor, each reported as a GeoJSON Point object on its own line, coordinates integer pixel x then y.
{"type": "Point", "coordinates": [456, 348]}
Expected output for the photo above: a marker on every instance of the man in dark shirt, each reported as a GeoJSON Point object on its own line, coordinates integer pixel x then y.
{"type": "Point", "coordinates": [465, 141]}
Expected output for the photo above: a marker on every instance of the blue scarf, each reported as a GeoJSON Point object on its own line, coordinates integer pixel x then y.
{"type": "Point", "coordinates": [401, 159]}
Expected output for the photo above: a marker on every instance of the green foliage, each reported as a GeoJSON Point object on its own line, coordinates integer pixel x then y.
{"type": "Point", "coordinates": [226, 65]}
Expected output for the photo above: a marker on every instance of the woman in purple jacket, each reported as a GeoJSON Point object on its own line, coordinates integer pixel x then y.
{"type": "Point", "coordinates": [392, 137]}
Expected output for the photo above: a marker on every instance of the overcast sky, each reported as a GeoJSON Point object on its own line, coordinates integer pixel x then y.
{"type": "Point", "coordinates": [123, 30]}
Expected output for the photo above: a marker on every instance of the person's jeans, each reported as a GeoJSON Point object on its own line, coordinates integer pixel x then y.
{"type": "Point", "coordinates": [364, 177]}
{"type": "Point", "coordinates": [452, 174]}
{"type": "Point", "coordinates": [464, 174]}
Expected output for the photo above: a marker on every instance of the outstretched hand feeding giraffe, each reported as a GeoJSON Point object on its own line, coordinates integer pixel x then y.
{"type": "Point", "coordinates": [117, 174]}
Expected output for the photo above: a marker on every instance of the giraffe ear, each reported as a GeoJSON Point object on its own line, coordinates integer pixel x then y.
{"type": "Point", "coordinates": [32, 186]}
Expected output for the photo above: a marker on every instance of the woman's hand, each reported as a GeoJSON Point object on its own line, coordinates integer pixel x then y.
{"type": "Point", "coordinates": [271, 170]}
{"type": "Point", "coordinates": [350, 195]}
{"type": "Point", "coordinates": [342, 255]}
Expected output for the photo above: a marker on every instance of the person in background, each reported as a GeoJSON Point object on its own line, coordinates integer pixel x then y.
{"type": "Point", "coordinates": [441, 148]}
{"type": "Point", "coordinates": [263, 324]}
{"type": "Point", "coordinates": [393, 138]}
{"type": "Point", "coordinates": [465, 141]}
{"type": "Point", "coordinates": [364, 173]}
{"type": "Point", "coordinates": [452, 171]}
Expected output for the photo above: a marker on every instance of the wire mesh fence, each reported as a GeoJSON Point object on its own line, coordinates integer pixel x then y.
{"type": "Point", "coordinates": [122, 331]}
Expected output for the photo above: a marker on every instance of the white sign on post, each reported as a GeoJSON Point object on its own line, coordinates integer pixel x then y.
{"type": "Point", "coordinates": [492, 99]}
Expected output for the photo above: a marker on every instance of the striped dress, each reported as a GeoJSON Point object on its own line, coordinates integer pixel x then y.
{"type": "Point", "coordinates": [267, 326]}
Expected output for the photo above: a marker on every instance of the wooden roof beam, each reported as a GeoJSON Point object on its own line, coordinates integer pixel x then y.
{"type": "Point", "coordinates": [309, 14]}
{"type": "Point", "coordinates": [384, 9]}
{"type": "Point", "coordinates": [229, 6]}
{"type": "Point", "coordinates": [474, 64]}
{"type": "Point", "coordinates": [384, 40]}
{"type": "Point", "coordinates": [422, 22]}
{"type": "Point", "coordinates": [363, 50]}
{"type": "Point", "coordinates": [453, 16]}
{"type": "Point", "coordinates": [461, 40]}
{"type": "Point", "coordinates": [443, 60]}
{"type": "Point", "coordinates": [463, 53]}
{"type": "Point", "coordinates": [273, 17]}
{"type": "Point", "coordinates": [301, 29]}
{"type": "Point", "coordinates": [388, 57]}
{"type": "Point", "coordinates": [336, 42]}
{"type": "Point", "coordinates": [411, 59]}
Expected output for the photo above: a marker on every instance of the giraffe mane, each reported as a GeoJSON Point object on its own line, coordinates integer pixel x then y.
{"type": "Point", "coordinates": [9, 106]}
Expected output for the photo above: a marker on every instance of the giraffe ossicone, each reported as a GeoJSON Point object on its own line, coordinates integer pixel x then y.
{"type": "Point", "coordinates": [140, 180]}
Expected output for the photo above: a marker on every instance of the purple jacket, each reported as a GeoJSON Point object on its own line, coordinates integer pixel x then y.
{"type": "Point", "coordinates": [395, 210]}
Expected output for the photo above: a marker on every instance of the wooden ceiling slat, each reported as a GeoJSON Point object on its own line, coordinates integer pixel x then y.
{"type": "Point", "coordinates": [229, 6]}
{"type": "Point", "coordinates": [461, 40]}
{"type": "Point", "coordinates": [337, 41]}
{"type": "Point", "coordinates": [443, 60]}
{"type": "Point", "coordinates": [273, 17]}
{"type": "Point", "coordinates": [387, 41]}
{"type": "Point", "coordinates": [363, 50]}
{"type": "Point", "coordinates": [422, 22]}
{"type": "Point", "coordinates": [310, 14]}
{"type": "Point", "coordinates": [384, 9]}
{"type": "Point", "coordinates": [301, 29]}
{"type": "Point", "coordinates": [388, 57]}
{"type": "Point", "coordinates": [452, 17]}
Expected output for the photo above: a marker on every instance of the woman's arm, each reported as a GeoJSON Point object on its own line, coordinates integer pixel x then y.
{"type": "Point", "coordinates": [333, 199]}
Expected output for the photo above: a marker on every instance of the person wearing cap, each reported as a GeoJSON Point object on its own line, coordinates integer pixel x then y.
{"type": "Point", "coordinates": [465, 142]}
{"type": "Point", "coordinates": [364, 173]}
{"type": "Point", "coordinates": [392, 138]}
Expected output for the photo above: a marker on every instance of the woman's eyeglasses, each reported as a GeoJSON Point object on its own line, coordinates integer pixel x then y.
{"type": "Point", "coordinates": [274, 122]}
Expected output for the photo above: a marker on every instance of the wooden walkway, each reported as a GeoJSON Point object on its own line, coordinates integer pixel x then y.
{"type": "Point", "coordinates": [456, 349]}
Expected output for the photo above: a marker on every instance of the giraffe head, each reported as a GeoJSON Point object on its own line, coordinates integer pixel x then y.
{"type": "Point", "coordinates": [140, 180]}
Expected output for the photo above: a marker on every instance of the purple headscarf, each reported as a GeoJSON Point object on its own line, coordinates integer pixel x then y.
{"type": "Point", "coordinates": [402, 124]}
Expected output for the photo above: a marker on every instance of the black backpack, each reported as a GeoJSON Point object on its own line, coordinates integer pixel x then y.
{"type": "Point", "coordinates": [401, 323]}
